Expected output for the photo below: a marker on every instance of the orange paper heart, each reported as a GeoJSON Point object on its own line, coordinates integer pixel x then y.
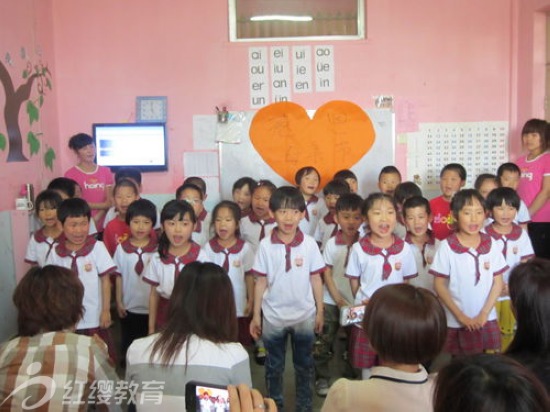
{"type": "Point", "coordinates": [337, 137]}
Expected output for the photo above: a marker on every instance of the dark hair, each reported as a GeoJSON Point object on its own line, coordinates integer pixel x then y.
{"type": "Point", "coordinates": [233, 208]}
{"type": "Point", "coordinates": [405, 190]}
{"type": "Point", "coordinates": [75, 207]}
{"type": "Point", "coordinates": [202, 304]}
{"type": "Point", "coordinates": [502, 194]}
{"type": "Point", "coordinates": [191, 186]}
{"type": "Point", "coordinates": [488, 382]}
{"type": "Point", "coordinates": [345, 174]}
{"type": "Point", "coordinates": [482, 178]}
{"type": "Point", "coordinates": [48, 199]}
{"type": "Point", "coordinates": [64, 185]}
{"type": "Point", "coordinates": [508, 167]}
{"type": "Point", "coordinates": [336, 187]}
{"type": "Point", "coordinates": [132, 173]}
{"type": "Point", "coordinates": [80, 140]}
{"type": "Point", "coordinates": [417, 201]}
{"type": "Point", "coordinates": [405, 324]}
{"type": "Point", "coordinates": [197, 181]}
{"type": "Point", "coordinates": [171, 210]}
{"type": "Point", "coordinates": [349, 201]}
{"type": "Point", "coordinates": [454, 167]}
{"type": "Point", "coordinates": [465, 197]}
{"type": "Point", "coordinates": [287, 197]}
{"type": "Point", "coordinates": [387, 170]}
{"type": "Point", "coordinates": [529, 285]}
{"type": "Point", "coordinates": [126, 183]}
{"type": "Point", "coordinates": [48, 299]}
{"type": "Point", "coordinates": [371, 199]}
{"type": "Point", "coordinates": [304, 171]}
{"type": "Point", "coordinates": [268, 184]}
{"type": "Point", "coordinates": [142, 207]}
{"type": "Point", "coordinates": [244, 181]}
{"type": "Point", "coordinates": [537, 126]}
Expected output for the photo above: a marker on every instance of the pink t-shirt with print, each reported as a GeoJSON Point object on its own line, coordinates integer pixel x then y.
{"type": "Point", "coordinates": [530, 183]}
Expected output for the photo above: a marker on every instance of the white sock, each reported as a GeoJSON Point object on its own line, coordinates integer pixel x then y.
{"type": "Point", "coordinates": [366, 373]}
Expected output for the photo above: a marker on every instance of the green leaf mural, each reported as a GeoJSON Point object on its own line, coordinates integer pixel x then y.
{"type": "Point", "coordinates": [33, 112]}
{"type": "Point", "coordinates": [33, 142]}
{"type": "Point", "coordinates": [49, 157]}
{"type": "Point", "coordinates": [2, 142]}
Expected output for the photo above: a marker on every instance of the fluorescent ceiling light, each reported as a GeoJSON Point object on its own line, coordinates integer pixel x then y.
{"type": "Point", "coordinates": [281, 17]}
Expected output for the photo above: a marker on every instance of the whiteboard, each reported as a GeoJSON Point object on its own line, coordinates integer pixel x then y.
{"type": "Point", "coordinates": [241, 159]}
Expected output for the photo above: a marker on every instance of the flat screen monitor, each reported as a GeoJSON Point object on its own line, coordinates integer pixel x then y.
{"type": "Point", "coordinates": [141, 145]}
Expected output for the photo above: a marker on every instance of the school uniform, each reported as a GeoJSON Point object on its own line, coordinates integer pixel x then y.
{"type": "Point", "coordinates": [423, 257]}
{"type": "Point", "coordinates": [202, 232]}
{"type": "Point", "coordinates": [40, 247]}
{"type": "Point", "coordinates": [375, 267]}
{"type": "Point", "coordinates": [470, 273]}
{"type": "Point", "coordinates": [326, 228]}
{"type": "Point", "coordinates": [253, 230]}
{"type": "Point", "coordinates": [311, 216]}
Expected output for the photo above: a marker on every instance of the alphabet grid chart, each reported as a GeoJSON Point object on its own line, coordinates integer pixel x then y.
{"type": "Point", "coordinates": [479, 146]}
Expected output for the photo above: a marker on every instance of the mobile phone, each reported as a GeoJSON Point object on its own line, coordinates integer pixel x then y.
{"type": "Point", "coordinates": [351, 314]}
{"type": "Point", "coordinates": [206, 397]}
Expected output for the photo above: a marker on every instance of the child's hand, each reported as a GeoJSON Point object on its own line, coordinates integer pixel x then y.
{"type": "Point", "coordinates": [248, 307]}
{"type": "Point", "coordinates": [256, 328]}
{"type": "Point", "coordinates": [481, 319]}
{"type": "Point", "coordinates": [505, 291]}
{"type": "Point", "coordinates": [121, 310]}
{"type": "Point", "coordinates": [105, 319]}
{"type": "Point", "coordinates": [365, 302]}
{"type": "Point", "coordinates": [319, 321]}
{"type": "Point", "coordinates": [469, 323]}
{"type": "Point", "coordinates": [342, 302]}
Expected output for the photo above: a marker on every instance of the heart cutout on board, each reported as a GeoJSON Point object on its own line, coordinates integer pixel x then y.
{"type": "Point", "coordinates": [337, 137]}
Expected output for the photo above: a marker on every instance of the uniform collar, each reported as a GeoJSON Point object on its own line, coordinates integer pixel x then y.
{"type": "Point", "coordinates": [62, 250]}
{"type": "Point", "coordinates": [369, 248]}
{"type": "Point", "coordinates": [189, 257]}
{"type": "Point", "coordinates": [513, 235]}
{"type": "Point", "coordinates": [217, 248]}
{"type": "Point", "coordinates": [482, 249]}
{"type": "Point", "coordinates": [298, 238]}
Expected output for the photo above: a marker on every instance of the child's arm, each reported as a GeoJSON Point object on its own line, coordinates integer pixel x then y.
{"type": "Point", "coordinates": [317, 287]}
{"type": "Point", "coordinates": [249, 281]}
{"type": "Point", "coordinates": [153, 306]}
{"type": "Point", "coordinates": [494, 293]}
{"type": "Point", "coordinates": [541, 198]}
{"type": "Point", "coordinates": [440, 286]}
{"type": "Point", "coordinates": [256, 323]}
{"type": "Point", "coordinates": [354, 283]}
{"type": "Point", "coordinates": [119, 303]}
{"type": "Point", "coordinates": [105, 317]}
{"type": "Point", "coordinates": [333, 290]}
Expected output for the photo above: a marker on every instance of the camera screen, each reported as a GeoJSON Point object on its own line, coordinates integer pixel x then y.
{"type": "Point", "coordinates": [210, 399]}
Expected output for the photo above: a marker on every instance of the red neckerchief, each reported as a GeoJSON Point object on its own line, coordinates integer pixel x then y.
{"type": "Point", "coordinates": [254, 219]}
{"type": "Point", "coordinates": [189, 257]}
{"type": "Point", "coordinates": [329, 220]}
{"type": "Point", "coordinates": [513, 235]}
{"type": "Point", "coordinates": [139, 251]}
{"type": "Point", "coordinates": [395, 248]}
{"type": "Point", "coordinates": [217, 248]}
{"type": "Point", "coordinates": [40, 237]}
{"type": "Point", "coordinates": [430, 241]}
{"type": "Point", "coordinates": [298, 239]}
{"type": "Point", "coordinates": [312, 199]}
{"type": "Point", "coordinates": [339, 240]}
{"type": "Point", "coordinates": [86, 249]}
{"type": "Point", "coordinates": [482, 249]}
{"type": "Point", "coordinates": [200, 220]}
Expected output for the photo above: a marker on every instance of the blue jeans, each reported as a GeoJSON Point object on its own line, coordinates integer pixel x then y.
{"type": "Point", "coordinates": [301, 338]}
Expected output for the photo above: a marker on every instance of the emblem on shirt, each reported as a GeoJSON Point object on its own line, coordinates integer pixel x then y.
{"type": "Point", "coordinates": [299, 261]}
{"type": "Point", "coordinates": [397, 266]}
{"type": "Point", "coordinates": [314, 212]}
{"type": "Point", "coordinates": [487, 265]}
{"type": "Point", "coordinates": [88, 267]}
{"type": "Point", "coordinates": [515, 250]}
{"type": "Point", "coordinates": [237, 263]}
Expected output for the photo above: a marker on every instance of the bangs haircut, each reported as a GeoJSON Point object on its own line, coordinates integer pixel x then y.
{"type": "Point", "coordinates": [173, 209]}
{"type": "Point", "coordinates": [508, 167]}
{"type": "Point", "coordinates": [349, 201]}
{"type": "Point", "coordinates": [371, 199]}
{"type": "Point", "coordinates": [132, 173]}
{"type": "Point", "coordinates": [142, 207]}
{"type": "Point", "coordinates": [64, 185]}
{"type": "Point", "coordinates": [417, 201]}
{"type": "Point", "coordinates": [126, 183]}
{"type": "Point", "coordinates": [48, 199]}
{"type": "Point", "coordinates": [197, 181]}
{"type": "Point", "coordinates": [233, 208]}
{"type": "Point", "coordinates": [336, 187]}
{"type": "Point", "coordinates": [244, 181]}
{"type": "Point", "coordinates": [405, 324]}
{"type": "Point", "coordinates": [191, 186]}
{"type": "Point", "coordinates": [75, 207]}
{"type": "Point", "coordinates": [389, 170]}
{"type": "Point", "coordinates": [502, 194]}
{"type": "Point", "coordinates": [482, 178]}
{"type": "Point", "coordinates": [345, 174]}
{"type": "Point", "coordinates": [304, 171]}
{"type": "Point", "coordinates": [287, 197]}
{"type": "Point", "coordinates": [454, 167]}
{"type": "Point", "coordinates": [406, 190]}
{"type": "Point", "coordinates": [268, 184]}
{"type": "Point", "coordinates": [465, 197]}
{"type": "Point", "coordinates": [80, 140]}
{"type": "Point", "coordinates": [537, 126]}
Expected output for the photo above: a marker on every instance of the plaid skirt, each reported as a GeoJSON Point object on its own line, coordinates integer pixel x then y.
{"type": "Point", "coordinates": [362, 355]}
{"type": "Point", "coordinates": [162, 313]}
{"type": "Point", "coordinates": [461, 341]}
{"type": "Point", "coordinates": [245, 338]}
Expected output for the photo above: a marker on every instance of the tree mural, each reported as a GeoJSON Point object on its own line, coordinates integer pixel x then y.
{"type": "Point", "coordinates": [35, 76]}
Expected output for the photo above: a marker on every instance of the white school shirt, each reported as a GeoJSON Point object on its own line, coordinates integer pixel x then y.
{"type": "Point", "coordinates": [366, 262]}
{"type": "Point", "coordinates": [424, 258]}
{"type": "Point", "coordinates": [162, 272]}
{"type": "Point", "coordinates": [461, 266]}
{"type": "Point", "coordinates": [309, 222]}
{"type": "Point", "coordinates": [336, 255]}
{"type": "Point", "coordinates": [251, 228]}
{"type": "Point", "coordinates": [39, 248]}
{"type": "Point", "coordinates": [326, 228]}
{"type": "Point", "coordinates": [240, 258]}
{"type": "Point", "coordinates": [288, 298]}
{"type": "Point", "coordinates": [135, 292]}
{"type": "Point", "coordinates": [203, 232]}
{"type": "Point", "coordinates": [92, 261]}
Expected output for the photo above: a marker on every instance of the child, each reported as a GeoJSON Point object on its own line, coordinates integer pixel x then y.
{"type": "Point", "coordinates": [131, 173]}
{"type": "Point", "coordinates": [484, 183]}
{"type": "Point", "coordinates": [404, 191]}
{"type": "Point", "coordinates": [349, 177]}
{"type": "Point", "coordinates": [175, 250]}
{"type": "Point", "coordinates": [194, 195]}
{"type": "Point", "coordinates": [117, 230]}
{"type": "Point", "coordinates": [468, 270]}
{"type": "Point", "coordinates": [327, 226]}
{"type": "Point", "coordinates": [388, 179]}
{"type": "Point", "coordinates": [508, 176]}
{"type": "Point", "coordinates": [417, 215]}
{"type": "Point", "coordinates": [380, 258]}
{"type": "Point", "coordinates": [337, 290]}
{"type": "Point", "coordinates": [199, 182]}
{"type": "Point", "coordinates": [236, 257]}
{"type": "Point", "coordinates": [91, 262]}
{"type": "Point", "coordinates": [43, 240]}
{"type": "Point", "coordinates": [452, 179]}
{"type": "Point", "coordinates": [242, 194]}
{"type": "Point", "coordinates": [260, 222]}
{"type": "Point", "coordinates": [307, 179]}
{"type": "Point", "coordinates": [289, 292]}
{"type": "Point", "coordinates": [513, 241]}
{"type": "Point", "coordinates": [131, 257]}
